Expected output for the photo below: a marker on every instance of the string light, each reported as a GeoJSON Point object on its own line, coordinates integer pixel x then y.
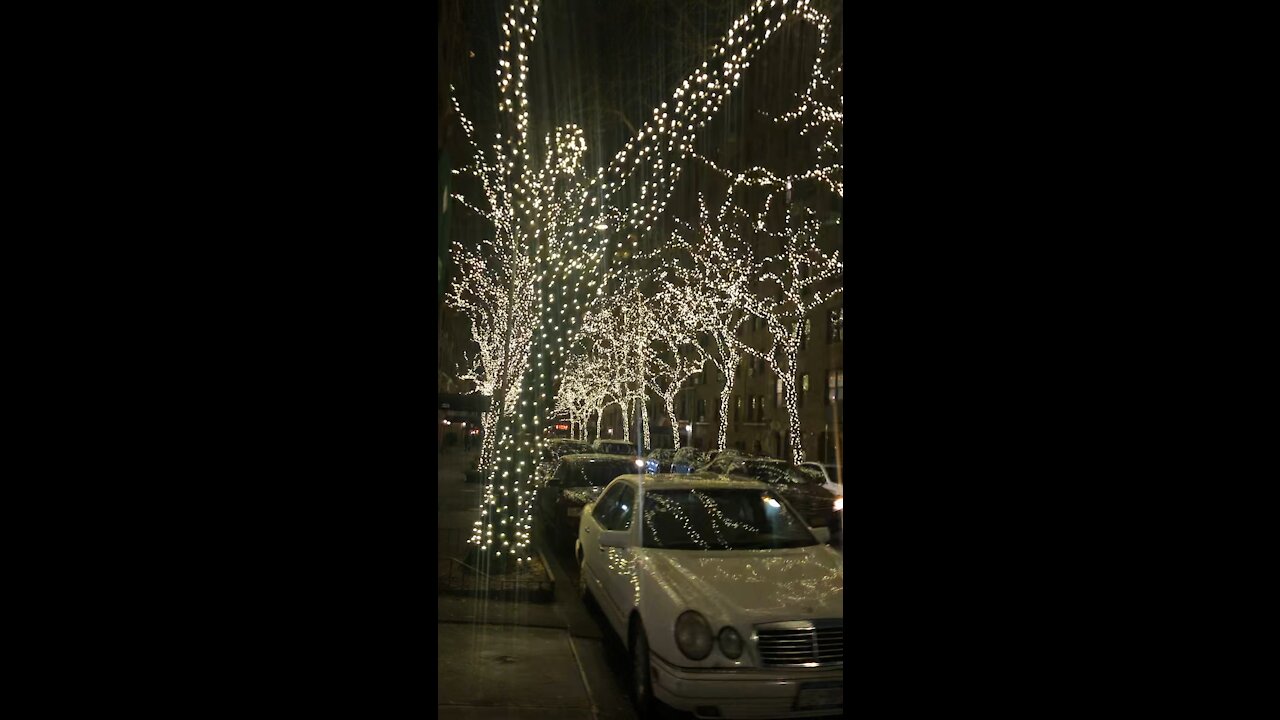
{"type": "Point", "coordinates": [524, 287]}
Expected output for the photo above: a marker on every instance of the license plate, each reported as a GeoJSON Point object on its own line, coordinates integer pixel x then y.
{"type": "Point", "coordinates": [575, 512]}
{"type": "Point", "coordinates": [814, 696]}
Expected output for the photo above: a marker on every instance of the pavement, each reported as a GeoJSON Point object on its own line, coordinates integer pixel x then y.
{"type": "Point", "coordinates": [519, 660]}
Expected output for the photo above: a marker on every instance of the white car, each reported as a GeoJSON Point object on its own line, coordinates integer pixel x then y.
{"type": "Point", "coordinates": [730, 606]}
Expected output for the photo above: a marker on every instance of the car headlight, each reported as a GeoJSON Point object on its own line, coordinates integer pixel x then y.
{"type": "Point", "coordinates": [693, 635]}
{"type": "Point", "coordinates": [730, 642]}
{"type": "Point", "coordinates": [839, 503]}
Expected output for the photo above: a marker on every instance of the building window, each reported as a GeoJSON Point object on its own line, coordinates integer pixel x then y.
{"type": "Point", "coordinates": [737, 408]}
{"type": "Point", "coordinates": [777, 393]}
{"type": "Point", "coordinates": [805, 331]}
{"type": "Point", "coordinates": [804, 389]}
{"type": "Point", "coordinates": [835, 387]}
{"type": "Point", "coordinates": [752, 409]}
{"type": "Point", "coordinates": [760, 404]}
{"type": "Point", "coordinates": [702, 410]}
{"type": "Point", "coordinates": [751, 366]}
{"type": "Point", "coordinates": [835, 325]}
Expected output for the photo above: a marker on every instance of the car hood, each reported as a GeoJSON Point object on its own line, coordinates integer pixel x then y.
{"type": "Point", "coordinates": [755, 586]}
{"type": "Point", "coordinates": [582, 495]}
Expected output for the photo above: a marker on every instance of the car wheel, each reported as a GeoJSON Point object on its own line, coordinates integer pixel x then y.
{"type": "Point", "coordinates": [641, 687]}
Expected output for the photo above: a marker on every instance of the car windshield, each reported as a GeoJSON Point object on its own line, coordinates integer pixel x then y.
{"type": "Point", "coordinates": [597, 472]}
{"type": "Point", "coordinates": [721, 519]}
{"type": "Point", "coordinates": [619, 448]}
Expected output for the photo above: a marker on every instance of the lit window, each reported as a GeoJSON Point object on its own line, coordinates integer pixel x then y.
{"type": "Point", "coordinates": [835, 387]}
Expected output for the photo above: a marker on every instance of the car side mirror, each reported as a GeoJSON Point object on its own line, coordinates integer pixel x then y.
{"type": "Point", "coordinates": [615, 538]}
{"type": "Point", "coordinates": [823, 534]}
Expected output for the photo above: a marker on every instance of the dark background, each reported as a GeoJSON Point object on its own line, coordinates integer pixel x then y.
{"type": "Point", "coordinates": [274, 376]}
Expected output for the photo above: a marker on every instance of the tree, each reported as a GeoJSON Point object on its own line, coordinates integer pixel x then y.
{"type": "Point", "coordinates": [798, 271]}
{"type": "Point", "coordinates": [675, 355]}
{"type": "Point", "coordinates": [708, 272]}
{"type": "Point", "coordinates": [544, 207]}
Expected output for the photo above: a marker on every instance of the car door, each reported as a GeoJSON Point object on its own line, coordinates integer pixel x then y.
{"type": "Point", "coordinates": [617, 569]}
{"type": "Point", "coordinates": [589, 530]}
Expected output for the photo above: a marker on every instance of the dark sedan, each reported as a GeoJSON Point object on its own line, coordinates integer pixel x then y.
{"type": "Point", "coordinates": [687, 460]}
{"type": "Point", "coordinates": [555, 449]}
{"type": "Point", "coordinates": [659, 461]}
{"type": "Point", "coordinates": [576, 481]}
{"type": "Point", "coordinates": [803, 490]}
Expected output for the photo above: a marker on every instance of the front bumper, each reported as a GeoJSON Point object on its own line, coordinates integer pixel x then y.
{"type": "Point", "coordinates": [745, 693]}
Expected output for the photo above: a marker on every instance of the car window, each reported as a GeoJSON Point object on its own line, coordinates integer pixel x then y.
{"type": "Point", "coordinates": [619, 517]}
{"type": "Point", "coordinates": [721, 519]}
{"type": "Point", "coordinates": [598, 472]}
{"type": "Point", "coordinates": [615, 509]}
{"type": "Point", "coordinates": [561, 472]}
{"type": "Point", "coordinates": [604, 507]}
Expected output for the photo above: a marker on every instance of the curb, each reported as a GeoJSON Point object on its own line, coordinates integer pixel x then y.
{"type": "Point", "coordinates": [513, 590]}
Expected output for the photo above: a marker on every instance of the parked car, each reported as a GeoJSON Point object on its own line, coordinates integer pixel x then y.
{"type": "Point", "coordinates": [575, 481]}
{"type": "Point", "coordinates": [805, 491]}
{"type": "Point", "coordinates": [552, 451]}
{"type": "Point", "coordinates": [687, 460]}
{"type": "Point", "coordinates": [729, 605]}
{"type": "Point", "coordinates": [829, 474]}
{"type": "Point", "coordinates": [614, 447]}
{"type": "Point", "coordinates": [722, 459]}
{"type": "Point", "coordinates": [559, 447]}
{"type": "Point", "coordinates": [659, 460]}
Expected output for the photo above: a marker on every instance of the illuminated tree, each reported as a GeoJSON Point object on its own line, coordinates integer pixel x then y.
{"type": "Point", "coordinates": [553, 222]}
{"type": "Point", "coordinates": [675, 355]}
{"type": "Point", "coordinates": [790, 291]}
{"type": "Point", "coordinates": [709, 269]}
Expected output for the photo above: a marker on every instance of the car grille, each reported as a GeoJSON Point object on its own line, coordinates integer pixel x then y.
{"type": "Point", "coordinates": [803, 643]}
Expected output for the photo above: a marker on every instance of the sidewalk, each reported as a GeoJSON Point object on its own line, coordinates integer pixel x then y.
{"type": "Point", "coordinates": [492, 671]}
{"type": "Point", "coordinates": [506, 659]}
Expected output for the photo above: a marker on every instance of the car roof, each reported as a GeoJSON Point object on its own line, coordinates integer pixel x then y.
{"type": "Point", "coordinates": [682, 481]}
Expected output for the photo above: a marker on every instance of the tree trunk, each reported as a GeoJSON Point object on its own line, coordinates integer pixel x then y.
{"type": "Point", "coordinates": [644, 419]}
{"type": "Point", "coordinates": [785, 368]}
{"type": "Point", "coordinates": [596, 436]}
{"type": "Point", "coordinates": [489, 422]}
{"type": "Point", "coordinates": [670, 401]}
{"type": "Point", "coordinates": [730, 375]}
{"type": "Point", "coordinates": [625, 408]}
{"type": "Point", "coordinates": [793, 411]}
